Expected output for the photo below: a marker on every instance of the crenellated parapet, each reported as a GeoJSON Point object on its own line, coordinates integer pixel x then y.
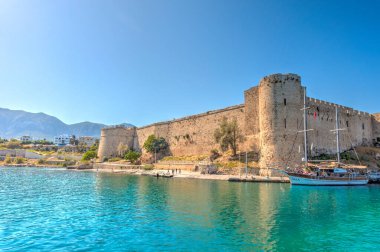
{"type": "Point", "coordinates": [280, 78]}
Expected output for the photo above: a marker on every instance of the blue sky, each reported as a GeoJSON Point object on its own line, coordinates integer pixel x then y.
{"type": "Point", "coordinates": [147, 61]}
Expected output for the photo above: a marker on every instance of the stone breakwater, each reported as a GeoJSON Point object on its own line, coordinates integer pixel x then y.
{"type": "Point", "coordinates": [269, 119]}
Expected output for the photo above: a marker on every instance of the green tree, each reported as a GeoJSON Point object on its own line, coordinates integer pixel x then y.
{"type": "Point", "coordinates": [153, 144]}
{"type": "Point", "coordinates": [228, 135]}
{"type": "Point", "coordinates": [89, 155]}
{"type": "Point", "coordinates": [132, 156]}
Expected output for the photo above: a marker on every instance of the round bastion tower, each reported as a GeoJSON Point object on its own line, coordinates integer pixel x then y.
{"type": "Point", "coordinates": [112, 137]}
{"type": "Point", "coordinates": [280, 116]}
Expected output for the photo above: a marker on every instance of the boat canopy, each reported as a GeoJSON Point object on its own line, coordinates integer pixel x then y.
{"type": "Point", "coordinates": [345, 167]}
{"type": "Point", "coordinates": [335, 170]}
{"type": "Point", "coordinates": [340, 170]}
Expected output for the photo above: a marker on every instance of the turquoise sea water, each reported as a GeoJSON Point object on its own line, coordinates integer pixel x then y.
{"type": "Point", "coordinates": [60, 210]}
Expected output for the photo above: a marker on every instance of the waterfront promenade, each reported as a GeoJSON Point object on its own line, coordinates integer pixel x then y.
{"type": "Point", "coordinates": [138, 170]}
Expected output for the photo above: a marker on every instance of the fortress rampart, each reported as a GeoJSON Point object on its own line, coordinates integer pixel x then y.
{"type": "Point", "coordinates": [270, 120]}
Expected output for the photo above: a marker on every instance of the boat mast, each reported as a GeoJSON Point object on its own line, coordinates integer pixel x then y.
{"type": "Point", "coordinates": [337, 134]}
{"type": "Point", "coordinates": [305, 125]}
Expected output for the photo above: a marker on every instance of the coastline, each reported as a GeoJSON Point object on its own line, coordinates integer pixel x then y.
{"type": "Point", "coordinates": [183, 174]}
{"type": "Point", "coordinates": [31, 166]}
{"type": "Point", "coordinates": [193, 175]}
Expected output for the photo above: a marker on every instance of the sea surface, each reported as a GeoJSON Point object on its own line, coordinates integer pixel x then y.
{"type": "Point", "coordinates": [61, 210]}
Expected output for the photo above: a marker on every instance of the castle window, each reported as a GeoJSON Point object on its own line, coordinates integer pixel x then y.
{"type": "Point", "coordinates": [285, 123]}
{"type": "Point", "coordinates": [285, 103]}
{"type": "Point", "coordinates": [363, 126]}
{"type": "Point", "coordinates": [347, 124]}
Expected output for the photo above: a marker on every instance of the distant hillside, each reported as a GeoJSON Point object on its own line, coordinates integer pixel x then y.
{"type": "Point", "coordinates": [16, 123]}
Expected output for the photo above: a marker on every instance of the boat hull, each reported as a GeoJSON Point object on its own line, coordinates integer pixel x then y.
{"type": "Point", "coordinates": [295, 180]}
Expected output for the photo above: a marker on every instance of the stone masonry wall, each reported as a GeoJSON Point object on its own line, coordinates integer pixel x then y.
{"type": "Point", "coordinates": [110, 138]}
{"type": "Point", "coordinates": [252, 120]}
{"type": "Point", "coordinates": [376, 127]}
{"type": "Point", "coordinates": [192, 135]}
{"type": "Point", "coordinates": [356, 125]}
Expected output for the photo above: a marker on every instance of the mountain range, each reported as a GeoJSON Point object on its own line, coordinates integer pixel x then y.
{"type": "Point", "coordinates": [17, 123]}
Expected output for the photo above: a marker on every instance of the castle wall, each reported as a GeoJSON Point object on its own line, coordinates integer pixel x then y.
{"type": "Point", "coordinates": [251, 120]}
{"type": "Point", "coordinates": [192, 135]}
{"type": "Point", "coordinates": [356, 125]}
{"type": "Point", "coordinates": [376, 127]}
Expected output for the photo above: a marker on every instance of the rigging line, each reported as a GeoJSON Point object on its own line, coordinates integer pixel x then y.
{"type": "Point", "coordinates": [294, 142]}
{"type": "Point", "coordinates": [357, 156]}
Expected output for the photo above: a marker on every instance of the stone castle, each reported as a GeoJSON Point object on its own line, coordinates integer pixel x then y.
{"type": "Point", "coordinates": [270, 120]}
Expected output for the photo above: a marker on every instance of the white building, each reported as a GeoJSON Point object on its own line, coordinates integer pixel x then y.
{"type": "Point", "coordinates": [62, 140]}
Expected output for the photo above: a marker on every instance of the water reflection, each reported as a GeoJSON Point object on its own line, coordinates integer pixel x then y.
{"type": "Point", "coordinates": [243, 216]}
{"type": "Point", "coordinates": [115, 212]}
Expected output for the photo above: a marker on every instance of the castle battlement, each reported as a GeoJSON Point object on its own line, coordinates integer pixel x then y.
{"type": "Point", "coordinates": [277, 78]}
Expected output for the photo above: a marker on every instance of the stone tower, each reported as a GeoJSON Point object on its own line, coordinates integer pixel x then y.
{"type": "Point", "coordinates": [112, 137]}
{"type": "Point", "coordinates": [280, 99]}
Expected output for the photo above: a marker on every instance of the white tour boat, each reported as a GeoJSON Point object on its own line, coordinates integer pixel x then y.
{"type": "Point", "coordinates": [336, 177]}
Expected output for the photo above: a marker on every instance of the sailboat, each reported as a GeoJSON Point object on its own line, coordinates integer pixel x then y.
{"type": "Point", "coordinates": [325, 176]}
